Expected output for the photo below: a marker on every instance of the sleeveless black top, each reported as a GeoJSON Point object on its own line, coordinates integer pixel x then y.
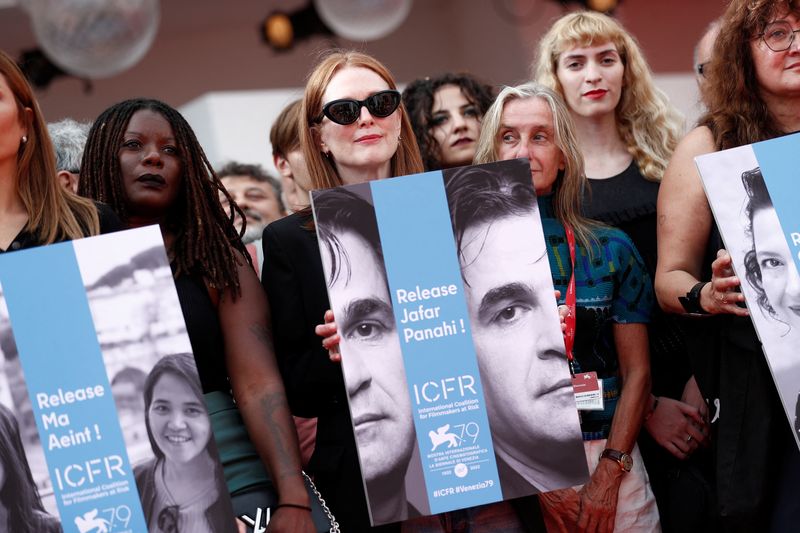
{"type": "Point", "coordinates": [628, 201]}
{"type": "Point", "coordinates": [205, 333]}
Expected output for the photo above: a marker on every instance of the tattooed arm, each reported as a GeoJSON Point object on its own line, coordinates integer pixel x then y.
{"type": "Point", "coordinates": [259, 394]}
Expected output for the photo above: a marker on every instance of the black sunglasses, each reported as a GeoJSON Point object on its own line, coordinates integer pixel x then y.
{"type": "Point", "coordinates": [347, 110]}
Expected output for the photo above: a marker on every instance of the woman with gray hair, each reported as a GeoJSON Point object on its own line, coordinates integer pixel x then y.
{"type": "Point", "coordinates": [609, 296]}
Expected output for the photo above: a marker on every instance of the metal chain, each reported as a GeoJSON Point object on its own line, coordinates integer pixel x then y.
{"type": "Point", "coordinates": [331, 519]}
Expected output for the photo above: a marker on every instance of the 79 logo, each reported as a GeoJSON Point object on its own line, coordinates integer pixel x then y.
{"type": "Point", "coordinates": [455, 438]}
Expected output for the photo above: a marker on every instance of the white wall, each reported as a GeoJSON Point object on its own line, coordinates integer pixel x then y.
{"type": "Point", "coordinates": [234, 125]}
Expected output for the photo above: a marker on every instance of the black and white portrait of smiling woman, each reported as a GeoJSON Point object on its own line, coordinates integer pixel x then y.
{"type": "Point", "coordinates": [772, 274]}
{"type": "Point", "coordinates": [763, 259]}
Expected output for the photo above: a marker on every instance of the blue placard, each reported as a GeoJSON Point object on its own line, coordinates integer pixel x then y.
{"type": "Point", "coordinates": [780, 177]}
{"type": "Point", "coordinates": [447, 401]}
{"type": "Point", "coordinates": [457, 384]}
{"type": "Point", "coordinates": [69, 390]}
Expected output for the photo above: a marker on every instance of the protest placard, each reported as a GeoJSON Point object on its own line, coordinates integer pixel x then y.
{"type": "Point", "coordinates": [752, 191]}
{"type": "Point", "coordinates": [99, 388]}
{"type": "Point", "coordinates": [452, 353]}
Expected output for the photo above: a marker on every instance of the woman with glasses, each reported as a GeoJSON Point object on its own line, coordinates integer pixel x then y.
{"type": "Point", "coordinates": [446, 113]}
{"type": "Point", "coordinates": [354, 130]}
{"type": "Point", "coordinates": [753, 94]}
{"type": "Point", "coordinates": [627, 130]}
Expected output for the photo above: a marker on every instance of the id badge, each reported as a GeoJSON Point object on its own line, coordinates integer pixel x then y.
{"type": "Point", "coordinates": [588, 391]}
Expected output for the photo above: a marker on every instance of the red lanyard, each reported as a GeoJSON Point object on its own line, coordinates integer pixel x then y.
{"type": "Point", "coordinates": [569, 334]}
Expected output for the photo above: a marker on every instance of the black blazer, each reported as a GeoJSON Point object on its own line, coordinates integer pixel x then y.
{"type": "Point", "coordinates": [295, 284]}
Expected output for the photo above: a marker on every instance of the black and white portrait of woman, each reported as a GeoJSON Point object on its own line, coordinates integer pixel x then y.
{"type": "Point", "coordinates": [175, 487]}
{"type": "Point", "coordinates": [763, 259]}
{"type": "Point", "coordinates": [21, 509]}
{"type": "Point", "coordinates": [769, 266]}
{"type": "Point", "coordinates": [771, 272]}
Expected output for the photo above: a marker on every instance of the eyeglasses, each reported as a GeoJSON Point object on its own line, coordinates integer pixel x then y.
{"type": "Point", "coordinates": [778, 36]}
{"type": "Point", "coordinates": [347, 110]}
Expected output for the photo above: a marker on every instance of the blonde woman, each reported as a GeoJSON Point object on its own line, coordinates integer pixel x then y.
{"type": "Point", "coordinates": [627, 130]}
{"type": "Point", "coordinates": [613, 302]}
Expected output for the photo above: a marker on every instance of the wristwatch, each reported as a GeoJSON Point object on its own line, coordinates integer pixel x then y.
{"type": "Point", "coordinates": [691, 302]}
{"type": "Point", "coordinates": [624, 460]}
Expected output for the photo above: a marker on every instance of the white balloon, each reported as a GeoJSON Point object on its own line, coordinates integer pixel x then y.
{"type": "Point", "coordinates": [94, 38]}
{"type": "Point", "coordinates": [363, 20]}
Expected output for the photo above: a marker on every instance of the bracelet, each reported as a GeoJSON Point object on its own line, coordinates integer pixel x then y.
{"type": "Point", "coordinates": [294, 505]}
{"type": "Point", "coordinates": [653, 410]}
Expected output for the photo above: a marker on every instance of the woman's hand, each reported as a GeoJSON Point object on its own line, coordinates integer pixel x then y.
{"type": "Point", "coordinates": [720, 296]}
{"type": "Point", "coordinates": [598, 498]}
{"type": "Point", "coordinates": [563, 312]}
{"type": "Point", "coordinates": [678, 427]}
{"type": "Point", "coordinates": [291, 520]}
{"type": "Point", "coordinates": [692, 396]}
{"type": "Point", "coordinates": [592, 509]}
{"type": "Point", "coordinates": [330, 337]}
{"type": "Point", "coordinates": [560, 510]}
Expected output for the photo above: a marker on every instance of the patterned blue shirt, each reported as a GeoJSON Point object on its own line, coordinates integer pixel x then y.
{"type": "Point", "coordinates": [612, 287]}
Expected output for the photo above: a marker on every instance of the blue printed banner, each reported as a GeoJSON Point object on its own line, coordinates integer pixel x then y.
{"type": "Point", "coordinates": [90, 333]}
{"type": "Point", "coordinates": [451, 347]}
{"type": "Point", "coordinates": [780, 175]}
{"type": "Point", "coordinates": [752, 191]}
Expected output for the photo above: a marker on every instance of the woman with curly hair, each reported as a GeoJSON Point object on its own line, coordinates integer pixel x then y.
{"type": "Point", "coordinates": [446, 113]}
{"type": "Point", "coordinates": [768, 264]}
{"type": "Point", "coordinates": [770, 271]}
{"type": "Point", "coordinates": [753, 94]}
{"type": "Point", "coordinates": [144, 160]}
{"type": "Point", "coordinates": [627, 131]}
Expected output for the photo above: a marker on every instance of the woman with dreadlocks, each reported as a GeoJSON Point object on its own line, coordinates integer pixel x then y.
{"type": "Point", "coordinates": [143, 159]}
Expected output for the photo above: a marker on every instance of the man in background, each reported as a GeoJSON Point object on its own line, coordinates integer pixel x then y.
{"type": "Point", "coordinates": [256, 192]}
{"type": "Point", "coordinates": [69, 138]}
{"type": "Point", "coordinates": [702, 55]}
